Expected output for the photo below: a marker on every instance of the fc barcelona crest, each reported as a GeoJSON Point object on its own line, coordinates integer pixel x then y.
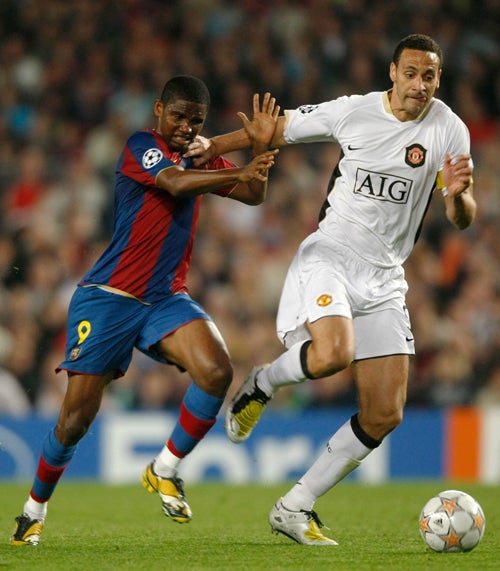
{"type": "Point", "coordinates": [74, 354]}
{"type": "Point", "coordinates": [415, 155]}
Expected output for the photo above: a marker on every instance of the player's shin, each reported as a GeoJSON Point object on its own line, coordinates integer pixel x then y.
{"type": "Point", "coordinates": [343, 454]}
{"type": "Point", "coordinates": [54, 459]}
{"type": "Point", "coordinates": [197, 416]}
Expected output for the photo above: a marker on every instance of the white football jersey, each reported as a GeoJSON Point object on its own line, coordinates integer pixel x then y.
{"type": "Point", "coordinates": [383, 183]}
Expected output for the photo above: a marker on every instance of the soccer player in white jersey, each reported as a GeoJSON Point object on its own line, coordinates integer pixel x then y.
{"type": "Point", "coordinates": [343, 300]}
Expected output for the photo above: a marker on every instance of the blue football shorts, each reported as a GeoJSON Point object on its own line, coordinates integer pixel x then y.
{"type": "Point", "coordinates": [104, 327]}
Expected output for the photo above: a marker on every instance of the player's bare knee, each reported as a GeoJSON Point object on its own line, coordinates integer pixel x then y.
{"type": "Point", "coordinates": [328, 362]}
{"type": "Point", "coordinates": [389, 422]}
{"type": "Point", "coordinates": [379, 425]}
{"type": "Point", "coordinates": [388, 425]}
{"type": "Point", "coordinates": [217, 378]}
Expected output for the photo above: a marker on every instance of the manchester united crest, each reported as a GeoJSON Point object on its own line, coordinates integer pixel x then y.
{"type": "Point", "coordinates": [324, 299]}
{"type": "Point", "coordinates": [415, 155]}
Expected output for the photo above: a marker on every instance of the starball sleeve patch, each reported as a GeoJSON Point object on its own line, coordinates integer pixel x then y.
{"type": "Point", "coordinates": [151, 158]}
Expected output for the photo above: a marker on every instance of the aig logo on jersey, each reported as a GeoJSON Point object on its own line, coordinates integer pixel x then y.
{"type": "Point", "coordinates": [382, 186]}
{"type": "Point", "coordinates": [415, 155]}
{"type": "Point", "coordinates": [151, 158]}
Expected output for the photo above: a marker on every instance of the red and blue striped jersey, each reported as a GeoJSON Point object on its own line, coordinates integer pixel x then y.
{"type": "Point", "coordinates": [150, 250]}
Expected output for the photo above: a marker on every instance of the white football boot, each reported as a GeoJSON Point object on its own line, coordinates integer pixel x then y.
{"type": "Point", "coordinates": [302, 526]}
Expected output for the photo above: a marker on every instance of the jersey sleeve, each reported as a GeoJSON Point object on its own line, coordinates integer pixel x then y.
{"type": "Point", "coordinates": [219, 163]}
{"type": "Point", "coordinates": [142, 159]}
{"type": "Point", "coordinates": [314, 123]}
{"type": "Point", "coordinates": [458, 143]}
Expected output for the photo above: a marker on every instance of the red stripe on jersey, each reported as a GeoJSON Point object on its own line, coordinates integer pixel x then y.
{"type": "Point", "coordinates": [134, 170]}
{"type": "Point", "coordinates": [147, 236]}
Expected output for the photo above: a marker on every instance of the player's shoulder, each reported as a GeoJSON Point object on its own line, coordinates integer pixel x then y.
{"type": "Point", "coordinates": [143, 136]}
{"type": "Point", "coordinates": [441, 109]}
{"type": "Point", "coordinates": [358, 101]}
{"type": "Point", "coordinates": [444, 115]}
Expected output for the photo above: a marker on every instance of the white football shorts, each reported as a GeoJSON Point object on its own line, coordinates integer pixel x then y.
{"type": "Point", "coordinates": [326, 278]}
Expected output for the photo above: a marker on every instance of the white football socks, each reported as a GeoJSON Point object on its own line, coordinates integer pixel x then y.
{"type": "Point", "coordinates": [344, 452]}
{"type": "Point", "coordinates": [166, 463]}
{"type": "Point", "coordinates": [285, 370]}
{"type": "Point", "coordinates": [35, 510]}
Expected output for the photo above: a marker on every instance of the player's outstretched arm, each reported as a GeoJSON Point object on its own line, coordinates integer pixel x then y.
{"type": "Point", "coordinates": [264, 131]}
{"type": "Point", "coordinates": [181, 182]}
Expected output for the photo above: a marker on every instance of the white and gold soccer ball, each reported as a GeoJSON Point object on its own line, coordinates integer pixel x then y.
{"type": "Point", "coordinates": [452, 521]}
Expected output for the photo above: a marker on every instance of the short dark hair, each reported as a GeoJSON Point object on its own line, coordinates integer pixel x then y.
{"type": "Point", "coordinates": [185, 87]}
{"type": "Point", "coordinates": [418, 42]}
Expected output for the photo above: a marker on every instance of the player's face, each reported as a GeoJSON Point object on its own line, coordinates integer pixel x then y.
{"type": "Point", "coordinates": [179, 122]}
{"type": "Point", "coordinates": [415, 80]}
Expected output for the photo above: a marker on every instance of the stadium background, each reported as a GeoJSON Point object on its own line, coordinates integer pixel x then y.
{"type": "Point", "coordinates": [77, 77]}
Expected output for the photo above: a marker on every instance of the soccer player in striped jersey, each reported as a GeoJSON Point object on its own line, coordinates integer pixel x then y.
{"type": "Point", "coordinates": [136, 296]}
{"type": "Point", "coordinates": [343, 300]}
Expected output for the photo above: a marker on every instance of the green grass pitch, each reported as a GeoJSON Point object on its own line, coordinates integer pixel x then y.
{"type": "Point", "coordinates": [93, 526]}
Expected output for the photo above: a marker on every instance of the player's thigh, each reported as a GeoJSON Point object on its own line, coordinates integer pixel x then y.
{"type": "Point", "coordinates": [178, 331]}
{"type": "Point", "coordinates": [198, 348]}
{"type": "Point", "coordinates": [315, 302]}
{"type": "Point", "coordinates": [332, 348]}
{"type": "Point", "coordinates": [382, 385]}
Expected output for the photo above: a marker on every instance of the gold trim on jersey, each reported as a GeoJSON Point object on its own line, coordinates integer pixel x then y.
{"type": "Point", "coordinates": [117, 292]}
{"type": "Point", "coordinates": [386, 100]}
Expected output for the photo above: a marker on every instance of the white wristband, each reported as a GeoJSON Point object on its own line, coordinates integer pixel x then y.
{"type": "Point", "coordinates": [444, 191]}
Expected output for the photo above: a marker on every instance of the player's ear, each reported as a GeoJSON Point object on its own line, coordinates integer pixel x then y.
{"type": "Point", "coordinates": [438, 78]}
{"type": "Point", "coordinates": [158, 108]}
{"type": "Point", "coordinates": [392, 72]}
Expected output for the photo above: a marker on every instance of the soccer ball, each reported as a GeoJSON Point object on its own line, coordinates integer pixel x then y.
{"type": "Point", "coordinates": [452, 521]}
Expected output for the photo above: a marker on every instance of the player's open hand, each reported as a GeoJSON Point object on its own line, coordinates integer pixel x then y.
{"type": "Point", "coordinates": [263, 124]}
{"type": "Point", "coordinates": [258, 167]}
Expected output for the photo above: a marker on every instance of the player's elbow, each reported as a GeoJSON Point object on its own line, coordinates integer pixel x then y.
{"type": "Point", "coordinates": [463, 220]}
{"type": "Point", "coordinates": [463, 224]}
{"type": "Point", "coordinates": [256, 200]}
{"type": "Point", "coordinates": [252, 195]}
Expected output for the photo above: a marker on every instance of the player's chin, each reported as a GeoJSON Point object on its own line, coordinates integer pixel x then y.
{"type": "Point", "coordinates": [419, 104]}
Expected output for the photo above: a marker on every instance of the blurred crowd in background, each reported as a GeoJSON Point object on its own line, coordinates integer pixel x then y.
{"type": "Point", "coordinates": [78, 77]}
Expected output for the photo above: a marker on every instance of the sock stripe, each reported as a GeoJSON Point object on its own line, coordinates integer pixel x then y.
{"type": "Point", "coordinates": [198, 413]}
{"type": "Point", "coordinates": [361, 435]}
{"type": "Point", "coordinates": [49, 474]}
{"type": "Point", "coordinates": [193, 426]}
{"type": "Point", "coordinates": [53, 461]}
{"type": "Point", "coordinates": [173, 449]}
{"type": "Point", "coordinates": [303, 359]}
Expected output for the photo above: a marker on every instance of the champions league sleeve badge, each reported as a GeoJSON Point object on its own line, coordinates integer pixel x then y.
{"type": "Point", "coordinates": [151, 158]}
{"type": "Point", "coordinates": [304, 109]}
